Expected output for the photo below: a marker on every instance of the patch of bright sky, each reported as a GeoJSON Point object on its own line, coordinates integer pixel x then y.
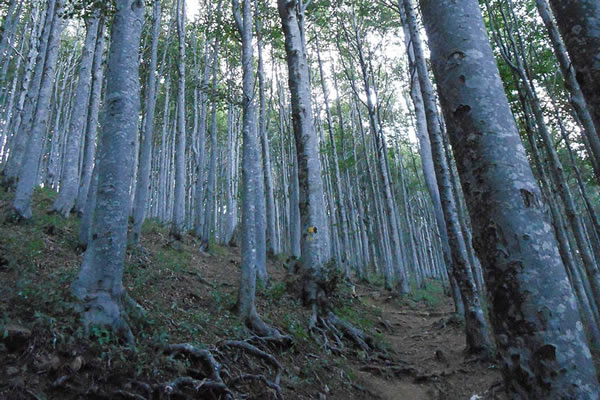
{"type": "Point", "coordinates": [192, 8]}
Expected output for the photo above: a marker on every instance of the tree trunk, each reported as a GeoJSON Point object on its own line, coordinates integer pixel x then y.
{"type": "Point", "coordinates": [100, 280]}
{"type": "Point", "coordinates": [29, 169]}
{"type": "Point", "coordinates": [178, 221]}
{"type": "Point", "coordinates": [143, 183]}
{"type": "Point", "coordinates": [475, 323]}
{"type": "Point", "coordinates": [579, 25]}
{"type": "Point", "coordinates": [92, 121]}
{"type": "Point", "coordinates": [69, 183]}
{"type": "Point", "coordinates": [531, 300]}
{"type": "Point", "coordinates": [314, 227]}
{"type": "Point", "coordinates": [30, 92]}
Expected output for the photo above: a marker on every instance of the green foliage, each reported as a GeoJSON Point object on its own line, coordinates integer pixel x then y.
{"type": "Point", "coordinates": [276, 291]}
{"type": "Point", "coordinates": [432, 294]}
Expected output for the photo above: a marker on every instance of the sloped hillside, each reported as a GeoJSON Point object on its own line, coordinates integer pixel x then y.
{"type": "Point", "coordinates": [187, 297]}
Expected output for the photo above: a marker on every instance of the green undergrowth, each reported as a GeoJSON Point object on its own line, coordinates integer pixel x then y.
{"type": "Point", "coordinates": [431, 294]}
{"type": "Point", "coordinates": [187, 297]}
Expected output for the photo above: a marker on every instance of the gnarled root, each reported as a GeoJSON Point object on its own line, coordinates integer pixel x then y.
{"type": "Point", "coordinates": [222, 381]}
{"type": "Point", "coordinates": [203, 355]}
{"type": "Point", "coordinates": [199, 386]}
{"type": "Point", "coordinates": [271, 385]}
{"type": "Point", "coordinates": [262, 330]}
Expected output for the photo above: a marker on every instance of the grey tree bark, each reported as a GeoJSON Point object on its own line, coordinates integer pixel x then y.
{"type": "Point", "coordinates": [211, 185]}
{"type": "Point", "coordinates": [99, 283]}
{"type": "Point", "coordinates": [178, 222]}
{"type": "Point", "coordinates": [532, 302]}
{"type": "Point", "coordinates": [250, 168]}
{"type": "Point", "coordinates": [566, 67]}
{"type": "Point", "coordinates": [579, 25]}
{"type": "Point", "coordinates": [28, 172]}
{"type": "Point", "coordinates": [92, 120]}
{"type": "Point", "coordinates": [30, 93]}
{"type": "Point", "coordinates": [475, 323]}
{"type": "Point", "coordinates": [69, 183]}
{"type": "Point", "coordinates": [314, 230]}
{"type": "Point", "coordinates": [143, 183]}
{"type": "Point", "coordinates": [427, 162]}
{"type": "Point", "coordinates": [272, 245]}
{"type": "Point", "coordinates": [339, 199]}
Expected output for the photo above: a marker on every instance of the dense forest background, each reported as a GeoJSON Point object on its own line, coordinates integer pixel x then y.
{"type": "Point", "coordinates": [323, 149]}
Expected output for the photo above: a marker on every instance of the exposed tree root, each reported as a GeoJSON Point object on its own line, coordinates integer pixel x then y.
{"type": "Point", "coordinates": [127, 395]}
{"type": "Point", "coordinates": [361, 339]}
{"type": "Point", "coordinates": [318, 289]}
{"type": "Point", "coordinates": [258, 326]}
{"type": "Point", "coordinates": [204, 385]}
{"type": "Point", "coordinates": [203, 355]}
{"type": "Point", "coordinates": [255, 351]}
{"type": "Point", "coordinates": [261, 378]}
{"type": "Point", "coordinates": [219, 378]}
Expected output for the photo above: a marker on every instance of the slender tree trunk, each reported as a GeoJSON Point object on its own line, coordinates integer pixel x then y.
{"type": "Point", "coordinates": [212, 166]}
{"type": "Point", "coordinates": [340, 208]}
{"type": "Point", "coordinates": [29, 168]}
{"type": "Point", "coordinates": [92, 121]}
{"type": "Point", "coordinates": [272, 247]}
{"type": "Point", "coordinates": [250, 168]}
{"type": "Point", "coordinates": [30, 92]}
{"type": "Point", "coordinates": [69, 182]}
{"type": "Point", "coordinates": [143, 183]}
{"type": "Point", "coordinates": [178, 221]}
{"type": "Point", "coordinates": [577, 99]}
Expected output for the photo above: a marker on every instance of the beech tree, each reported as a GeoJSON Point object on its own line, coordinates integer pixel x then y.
{"type": "Point", "coordinates": [579, 24]}
{"type": "Point", "coordinates": [99, 284]}
{"type": "Point", "coordinates": [489, 155]}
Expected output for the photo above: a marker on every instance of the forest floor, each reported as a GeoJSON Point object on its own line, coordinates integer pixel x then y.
{"type": "Point", "coordinates": [187, 297]}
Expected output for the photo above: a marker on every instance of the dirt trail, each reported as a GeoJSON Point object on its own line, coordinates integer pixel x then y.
{"type": "Point", "coordinates": [428, 346]}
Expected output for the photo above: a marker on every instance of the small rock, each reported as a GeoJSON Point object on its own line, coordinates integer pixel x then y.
{"type": "Point", "coordinates": [76, 364]}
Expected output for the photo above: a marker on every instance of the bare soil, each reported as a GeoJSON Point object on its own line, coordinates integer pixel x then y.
{"type": "Point", "coordinates": [187, 295]}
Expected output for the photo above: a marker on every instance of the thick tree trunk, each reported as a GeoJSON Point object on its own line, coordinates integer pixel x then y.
{"type": "Point", "coordinates": [314, 229]}
{"type": "Point", "coordinates": [577, 99]}
{"type": "Point", "coordinates": [475, 322]}
{"type": "Point", "coordinates": [99, 283]}
{"type": "Point", "coordinates": [579, 25]}
{"type": "Point", "coordinates": [532, 303]}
